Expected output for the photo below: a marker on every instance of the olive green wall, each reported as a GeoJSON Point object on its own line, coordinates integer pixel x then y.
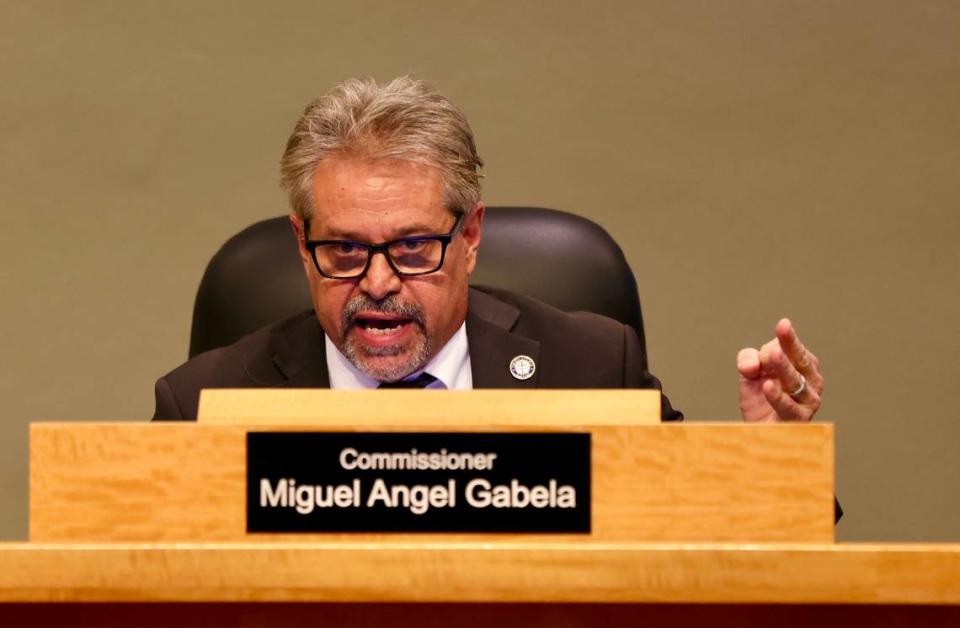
{"type": "Point", "coordinates": [754, 158]}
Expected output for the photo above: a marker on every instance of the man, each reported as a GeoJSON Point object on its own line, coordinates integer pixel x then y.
{"type": "Point", "coordinates": [384, 183]}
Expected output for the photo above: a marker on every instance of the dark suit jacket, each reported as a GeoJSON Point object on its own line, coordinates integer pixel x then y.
{"type": "Point", "coordinates": [571, 350]}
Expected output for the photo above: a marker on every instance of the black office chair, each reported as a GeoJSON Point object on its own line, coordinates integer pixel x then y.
{"type": "Point", "coordinates": [256, 278]}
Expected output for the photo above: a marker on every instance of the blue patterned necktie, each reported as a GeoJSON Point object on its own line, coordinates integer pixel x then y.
{"type": "Point", "coordinates": [420, 381]}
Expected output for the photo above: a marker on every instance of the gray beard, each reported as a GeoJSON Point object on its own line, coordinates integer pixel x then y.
{"type": "Point", "coordinates": [359, 354]}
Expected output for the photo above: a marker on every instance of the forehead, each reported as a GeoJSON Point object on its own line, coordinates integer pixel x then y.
{"type": "Point", "coordinates": [364, 197]}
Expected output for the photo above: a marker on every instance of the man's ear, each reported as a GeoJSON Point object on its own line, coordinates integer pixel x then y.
{"type": "Point", "coordinates": [471, 230]}
{"type": "Point", "coordinates": [298, 230]}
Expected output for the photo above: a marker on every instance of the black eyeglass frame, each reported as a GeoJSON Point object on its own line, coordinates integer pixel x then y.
{"type": "Point", "coordinates": [372, 249]}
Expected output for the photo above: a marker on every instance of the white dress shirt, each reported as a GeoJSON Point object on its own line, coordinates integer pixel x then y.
{"type": "Point", "coordinates": [451, 367]}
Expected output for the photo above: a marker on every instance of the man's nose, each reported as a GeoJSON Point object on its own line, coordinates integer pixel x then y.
{"type": "Point", "coordinates": [380, 280]}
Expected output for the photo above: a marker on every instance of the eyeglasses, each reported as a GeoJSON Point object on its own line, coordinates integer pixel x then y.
{"type": "Point", "coordinates": [408, 257]}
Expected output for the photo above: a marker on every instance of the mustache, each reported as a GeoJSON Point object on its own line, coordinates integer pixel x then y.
{"type": "Point", "coordinates": [390, 304]}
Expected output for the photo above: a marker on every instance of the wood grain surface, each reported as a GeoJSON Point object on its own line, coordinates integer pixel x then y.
{"type": "Point", "coordinates": [480, 572]}
{"type": "Point", "coordinates": [666, 482]}
{"type": "Point", "coordinates": [313, 406]}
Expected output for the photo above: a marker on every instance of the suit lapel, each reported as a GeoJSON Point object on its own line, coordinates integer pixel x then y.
{"type": "Point", "coordinates": [492, 346]}
{"type": "Point", "coordinates": [301, 357]}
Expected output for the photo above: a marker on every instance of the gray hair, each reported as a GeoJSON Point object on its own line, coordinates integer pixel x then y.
{"type": "Point", "coordinates": [403, 119]}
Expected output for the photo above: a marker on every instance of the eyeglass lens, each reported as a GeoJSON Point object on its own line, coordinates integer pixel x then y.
{"type": "Point", "coordinates": [413, 256]}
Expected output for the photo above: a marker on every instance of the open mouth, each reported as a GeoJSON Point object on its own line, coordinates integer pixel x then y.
{"type": "Point", "coordinates": [387, 325]}
{"type": "Point", "coordinates": [382, 326]}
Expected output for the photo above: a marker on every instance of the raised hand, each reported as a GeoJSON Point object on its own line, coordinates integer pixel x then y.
{"type": "Point", "coordinates": [781, 381]}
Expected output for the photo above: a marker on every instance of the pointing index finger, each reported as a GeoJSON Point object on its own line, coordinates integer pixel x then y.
{"type": "Point", "coordinates": [792, 347]}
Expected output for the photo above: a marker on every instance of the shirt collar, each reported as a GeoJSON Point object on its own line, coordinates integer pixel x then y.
{"type": "Point", "coordinates": [451, 366]}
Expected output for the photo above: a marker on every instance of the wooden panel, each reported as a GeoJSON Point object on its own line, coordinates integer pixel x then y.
{"type": "Point", "coordinates": [477, 572]}
{"type": "Point", "coordinates": [667, 482]}
{"type": "Point", "coordinates": [312, 406]}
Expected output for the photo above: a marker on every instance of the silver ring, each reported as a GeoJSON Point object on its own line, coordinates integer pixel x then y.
{"type": "Point", "coordinates": [800, 389]}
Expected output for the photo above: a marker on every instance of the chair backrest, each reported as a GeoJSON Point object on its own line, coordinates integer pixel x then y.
{"type": "Point", "coordinates": [256, 278]}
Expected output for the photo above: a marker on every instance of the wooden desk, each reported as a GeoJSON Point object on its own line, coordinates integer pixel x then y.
{"type": "Point", "coordinates": [145, 525]}
{"type": "Point", "coordinates": [478, 584]}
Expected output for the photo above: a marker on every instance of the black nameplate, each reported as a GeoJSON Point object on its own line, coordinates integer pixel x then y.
{"type": "Point", "coordinates": [418, 482]}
